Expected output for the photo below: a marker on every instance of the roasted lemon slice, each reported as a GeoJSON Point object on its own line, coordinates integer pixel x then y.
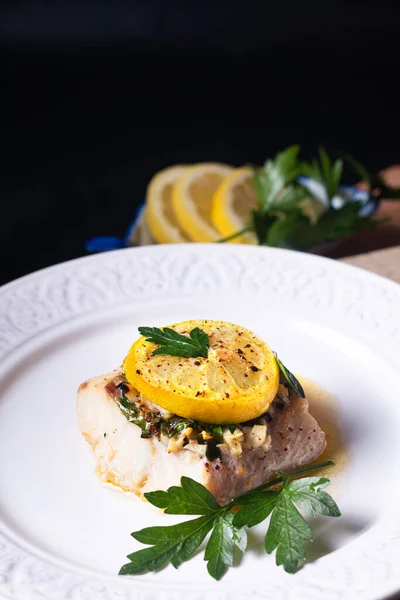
{"type": "Point", "coordinates": [236, 382]}
{"type": "Point", "coordinates": [233, 203]}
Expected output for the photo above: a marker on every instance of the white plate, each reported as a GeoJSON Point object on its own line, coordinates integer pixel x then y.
{"type": "Point", "coordinates": [64, 536]}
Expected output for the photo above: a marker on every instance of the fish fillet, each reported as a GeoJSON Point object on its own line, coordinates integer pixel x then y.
{"type": "Point", "coordinates": [140, 465]}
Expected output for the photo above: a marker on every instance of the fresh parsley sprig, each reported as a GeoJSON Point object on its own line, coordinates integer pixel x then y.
{"type": "Point", "coordinates": [172, 343]}
{"type": "Point", "coordinates": [291, 215]}
{"type": "Point", "coordinates": [287, 531]}
{"type": "Point", "coordinates": [324, 170]}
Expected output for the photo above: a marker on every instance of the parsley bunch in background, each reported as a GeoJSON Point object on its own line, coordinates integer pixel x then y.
{"type": "Point", "coordinates": [301, 204]}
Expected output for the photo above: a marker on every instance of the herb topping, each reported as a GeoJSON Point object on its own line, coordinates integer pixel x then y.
{"type": "Point", "coordinates": [172, 343]}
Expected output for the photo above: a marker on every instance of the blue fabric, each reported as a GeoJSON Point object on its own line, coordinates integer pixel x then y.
{"type": "Point", "coordinates": [133, 223]}
{"type": "Point", "coordinates": [107, 242]}
{"type": "Point", "coordinates": [103, 243]}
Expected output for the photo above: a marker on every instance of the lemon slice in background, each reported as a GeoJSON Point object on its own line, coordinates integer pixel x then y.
{"type": "Point", "coordinates": [159, 213]}
{"type": "Point", "coordinates": [192, 198]}
{"type": "Point", "coordinates": [233, 202]}
{"type": "Point", "coordinates": [237, 382]}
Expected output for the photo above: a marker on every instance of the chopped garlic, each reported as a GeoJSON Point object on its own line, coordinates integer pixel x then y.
{"type": "Point", "coordinates": [257, 436]}
{"type": "Point", "coordinates": [176, 443]}
{"type": "Point", "coordinates": [223, 447]}
{"type": "Point", "coordinates": [198, 448]}
{"type": "Point", "coordinates": [234, 441]}
{"type": "Point", "coordinates": [267, 444]}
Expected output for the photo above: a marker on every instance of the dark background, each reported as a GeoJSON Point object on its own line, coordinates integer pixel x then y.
{"type": "Point", "coordinates": [96, 97]}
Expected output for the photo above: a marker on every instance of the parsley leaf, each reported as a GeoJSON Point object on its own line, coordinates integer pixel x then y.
{"type": "Point", "coordinates": [280, 233]}
{"type": "Point", "coordinates": [287, 531]}
{"type": "Point", "coordinates": [256, 508]}
{"type": "Point", "coordinates": [289, 199]}
{"type": "Point", "coordinates": [190, 499]}
{"type": "Point", "coordinates": [221, 545]}
{"type": "Point", "coordinates": [173, 343]}
{"type": "Point", "coordinates": [276, 175]}
{"type": "Point", "coordinates": [327, 172]}
{"type": "Point", "coordinates": [172, 544]}
{"type": "Point", "coordinates": [290, 378]}
{"type": "Point", "coordinates": [334, 224]}
{"type": "Point", "coordinates": [307, 495]}
{"type": "Point", "coordinates": [216, 431]}
{"type": "Point", "coordinates": [262, 222]}
{"type": "Point", "coordinates": [294, 230]}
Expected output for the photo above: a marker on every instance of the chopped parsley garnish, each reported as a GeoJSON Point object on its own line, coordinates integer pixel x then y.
{"type": "Point", "coordinates": [135, 415]}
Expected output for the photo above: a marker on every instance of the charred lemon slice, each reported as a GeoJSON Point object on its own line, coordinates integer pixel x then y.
{"type": "Point", "coordinates": [236, 382]}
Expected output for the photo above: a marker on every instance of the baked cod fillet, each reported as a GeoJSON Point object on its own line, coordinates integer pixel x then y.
{"type": "Point", "coordinates": [248, 455]}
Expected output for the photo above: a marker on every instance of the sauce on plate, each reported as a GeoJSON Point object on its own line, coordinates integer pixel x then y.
{"type": "Point", "coordinates": [324, 407]}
